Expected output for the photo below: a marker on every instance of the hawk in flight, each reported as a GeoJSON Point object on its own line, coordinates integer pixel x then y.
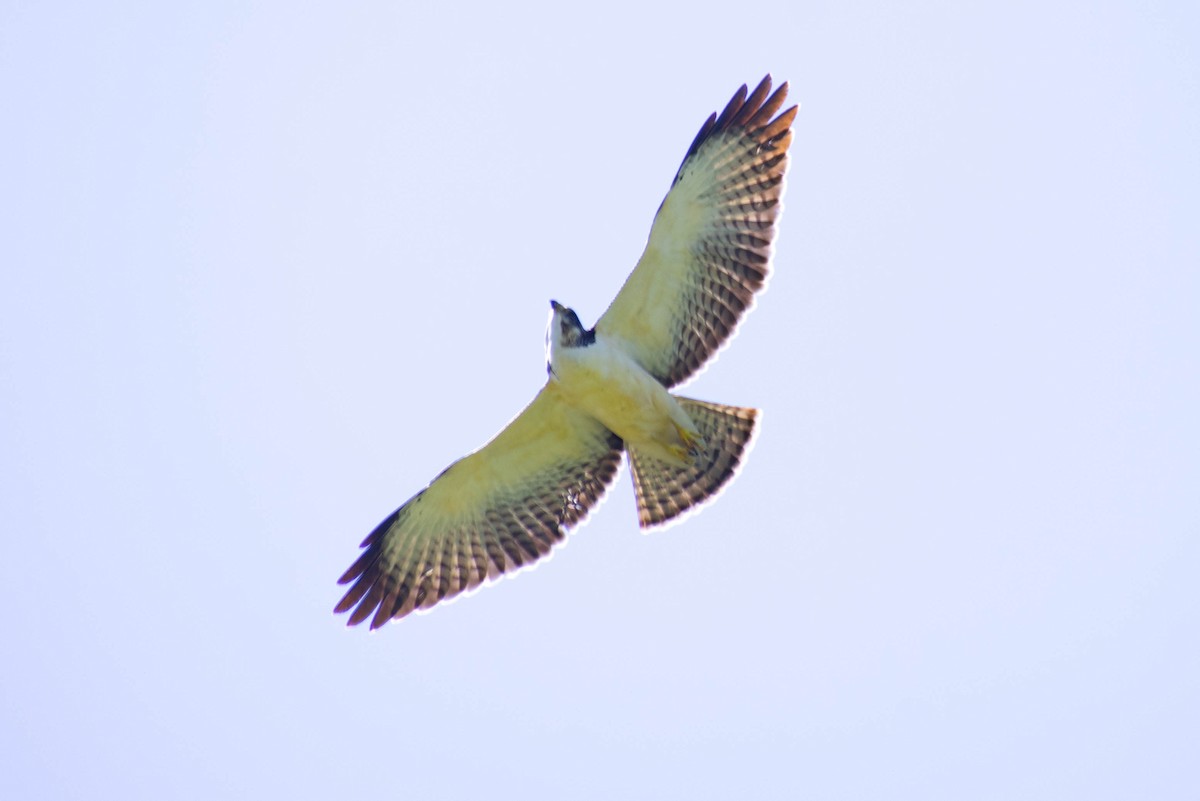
{"type": "Point", "coordinates": [512, 501]}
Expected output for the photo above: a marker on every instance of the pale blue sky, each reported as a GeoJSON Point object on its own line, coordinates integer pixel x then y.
{"type": "Point", "coordinates": [266, 272]}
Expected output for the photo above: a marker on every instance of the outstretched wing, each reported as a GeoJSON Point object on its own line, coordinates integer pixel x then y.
{"type": "Point", "coordinates": [710, 246]}
{"type": "Point", "coordinates": [504, 506]}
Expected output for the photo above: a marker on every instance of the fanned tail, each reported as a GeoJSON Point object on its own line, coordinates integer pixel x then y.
{"type": "Point", "coordinates": [665, 491]}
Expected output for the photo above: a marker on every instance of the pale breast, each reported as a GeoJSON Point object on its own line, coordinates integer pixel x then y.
{"type": "Point", "coordinates": [603, 381]}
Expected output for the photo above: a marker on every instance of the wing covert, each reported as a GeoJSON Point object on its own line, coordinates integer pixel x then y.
{"type": "Point", "coordinates": [498, 509]}
{"type": "Point", "coordinates": [710, 247]}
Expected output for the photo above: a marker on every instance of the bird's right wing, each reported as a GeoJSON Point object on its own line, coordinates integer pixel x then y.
{"type": "Point", "coordinates": [500, 508]}
{"type": "Point", "coordinates": [710, 246]}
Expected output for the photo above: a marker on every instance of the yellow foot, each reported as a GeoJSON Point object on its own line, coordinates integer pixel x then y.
{"type": "Point", "coordinates": [693, 445]}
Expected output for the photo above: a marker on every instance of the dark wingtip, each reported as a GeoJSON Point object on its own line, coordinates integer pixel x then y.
{"type": "Point", "coordinates": [746, 109]}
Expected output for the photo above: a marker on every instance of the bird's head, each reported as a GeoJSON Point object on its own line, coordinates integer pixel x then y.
{"type": "Point", "coordinates": [565, 329]}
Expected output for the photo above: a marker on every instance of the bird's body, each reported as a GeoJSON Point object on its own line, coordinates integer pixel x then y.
{"type": "Point", "coordinates": [602, 380]}
{"type": "Point", "coordinates": [607, 395]}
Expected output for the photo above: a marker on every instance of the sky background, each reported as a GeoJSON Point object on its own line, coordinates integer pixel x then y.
{"type": "Point", "coordinates": [267, 270]}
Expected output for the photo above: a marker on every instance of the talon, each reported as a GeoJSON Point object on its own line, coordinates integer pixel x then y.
{"type": "Point", "coordinates": [693, 445]}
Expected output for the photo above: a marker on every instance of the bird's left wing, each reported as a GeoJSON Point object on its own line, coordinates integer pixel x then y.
{"type": "Point", "coordinates": [710, 246]}
{"type": "Point", "coordinates": [500, 508]}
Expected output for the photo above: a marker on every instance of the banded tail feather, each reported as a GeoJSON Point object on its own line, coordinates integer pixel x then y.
{"type": "Point", "coordinates": [664, 491]}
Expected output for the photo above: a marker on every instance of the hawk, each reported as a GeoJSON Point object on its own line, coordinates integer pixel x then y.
{"type": "Point", "coordinates": [511, 502]}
